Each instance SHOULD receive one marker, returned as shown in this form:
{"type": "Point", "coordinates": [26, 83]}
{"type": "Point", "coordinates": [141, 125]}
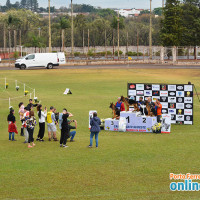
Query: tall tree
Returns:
{"type": "Point", "coordinates": [171, 25]}
{"type": "Point", "coordinates": [8, 4]}
{"type": "Point", "coordinates": [23, 4]}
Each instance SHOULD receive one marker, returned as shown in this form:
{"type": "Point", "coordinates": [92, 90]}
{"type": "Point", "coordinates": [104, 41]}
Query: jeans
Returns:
{"type": "Point", "coordinates": [96, 138]}
{"type": "Point", "coordinates": [72, 134]}
{"type": "Point", "coordinates": [30, 133]}
{"type": "Point", "coordinates": [11, 134]}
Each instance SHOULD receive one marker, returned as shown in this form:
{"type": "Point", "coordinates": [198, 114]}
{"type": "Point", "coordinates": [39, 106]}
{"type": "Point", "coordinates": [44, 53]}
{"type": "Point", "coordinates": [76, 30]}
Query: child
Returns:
{"type": "Point", "coordinates": [31, 122]}
{"type": "Point", "coordinates": [95, 123]}
{"type": "Point", "coordinates": [21, 115]}
{"type": "Point", "coordinates": [12, 128]}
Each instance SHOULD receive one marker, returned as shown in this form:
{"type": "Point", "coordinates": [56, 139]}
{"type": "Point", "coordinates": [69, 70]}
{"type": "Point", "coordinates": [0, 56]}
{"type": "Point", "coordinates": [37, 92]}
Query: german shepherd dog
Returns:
{"type": "Point", "coordinates": [130, 102]}
{"type": "Point", "coordinates": [114, 109]}
{"type": "Point", "coordinates": [148, 110]}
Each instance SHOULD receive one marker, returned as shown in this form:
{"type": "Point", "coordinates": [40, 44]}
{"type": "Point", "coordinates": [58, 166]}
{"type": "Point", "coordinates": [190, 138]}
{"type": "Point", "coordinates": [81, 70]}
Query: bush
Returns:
{"type": "Point", "coordinates": [157, 53]}
{"type": "Point", "coordinates": [130, 53]}
{"type": "Point", "coordinates": [181, 52]}
{"type": "Point", "coordinates": [120, 53]}
{"type": "Point", "coordinates": [90, 53]}
{"type": "Point", "coordinates": [76, 54]}
{"type": "Point", "coordinates": [16, 54]}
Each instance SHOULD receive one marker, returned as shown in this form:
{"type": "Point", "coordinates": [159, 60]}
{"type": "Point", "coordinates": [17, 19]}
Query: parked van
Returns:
{"type": "Point", "coordinates": [48, 60]}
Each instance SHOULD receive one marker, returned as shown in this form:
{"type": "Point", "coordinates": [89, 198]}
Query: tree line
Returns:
{"type": "Point", "coordinates": [178, 25]}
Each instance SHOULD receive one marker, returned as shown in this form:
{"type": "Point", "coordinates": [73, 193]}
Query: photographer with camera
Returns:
{"type": "Point", "coordinates": [72, 133]}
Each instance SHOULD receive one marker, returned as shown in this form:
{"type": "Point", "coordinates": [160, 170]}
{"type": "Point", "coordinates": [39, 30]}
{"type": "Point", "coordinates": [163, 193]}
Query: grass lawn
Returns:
{"type": "Point", "coordinates": [125, 166]}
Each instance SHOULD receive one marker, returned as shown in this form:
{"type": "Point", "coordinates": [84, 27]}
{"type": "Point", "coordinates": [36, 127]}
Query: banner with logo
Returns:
{"type": "Point", "coordinates": [166, 123]}
{"type": "Point", "coordinates": [176, 99]}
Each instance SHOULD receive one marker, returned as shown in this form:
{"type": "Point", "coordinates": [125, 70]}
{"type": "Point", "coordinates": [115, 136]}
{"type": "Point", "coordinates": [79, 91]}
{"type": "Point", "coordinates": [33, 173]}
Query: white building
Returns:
{"type": "Point", "coordinates": [129, 12]}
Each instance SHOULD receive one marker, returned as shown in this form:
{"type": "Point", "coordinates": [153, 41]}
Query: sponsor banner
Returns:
{"type": "Point", "coordinates": [148, 87]}
{"type": "Point", "coordinates": [188, 112]}
{"type": "Point", "coordinates": [132, 86]}
{"type": "Point", "coordinates": [179, 87]}
{"type": "Point", "coordinates": [180, 99]}
{"type": "Point", "coordinates": [166, 123]}
{"type": "Point", "coordinates": [132, 92]}
{"type": "Point", "coordinates": [179, 111]}
{"type": "Point", "coordinates": [173, 94]}
{"type": "Point", "coordinates": [147, 93]}
{"type": "Point", "coordinates": [180, 93]}
{"type": "Point", "coordinates": [188, 118]}
{"type": "Point", "coordinates": [188, 94]}
{"type": "Point", "coordinates": [188, 100]}
{"type": "Point", "coordinates": [172, 99]}
{"type": "Point", "coordinates": [173, 117]}
{"type": "Point", "coordinates": [188, 88]}
{"type": "Point", "coordinates": [188, 122]}
{"type": "Point", "coordinates": [172, 105]}
{"type": "Point", "coordinates": [164, 105]}
{"type": "Point", "coordinates": [139, 86]}
{"type": "Point", "coordinates": [156, 93]}
{"type": "Point", "coordinates": [138, 98]}
{"type": "Point", "coordinates": [163, 99]}
{"type": "Point", "coordinates": [164, 111]}
{"type": "Point", "coordinates": [140, 93]}
{"type": "Point", "coordinates": [155, 87]}
{"type": "Point", "coordinates": [179, 117]}
{"type": "Point", "coordinates": [163, 87]}
{"type": "Point", "coordinates": [180, 106]}
{"type": "Point", "coordinates": [172, 111]}
{"type": "Point", "coordinates": [171, 87]}
{"type": "Point", "coordinates": [164, 93]}
{"type": "Point", "coordinates": [154, 98]}
{"type": "Point", "coordinates": [188, 106]}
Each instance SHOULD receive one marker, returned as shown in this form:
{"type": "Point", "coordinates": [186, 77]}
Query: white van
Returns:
{"type": "Point", "coordinates": [48, 60]}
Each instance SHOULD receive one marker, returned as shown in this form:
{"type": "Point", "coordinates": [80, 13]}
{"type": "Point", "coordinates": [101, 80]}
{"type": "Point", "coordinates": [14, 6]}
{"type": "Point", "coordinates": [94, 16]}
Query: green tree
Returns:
{"type": "Point", "coordinates": [114, 23]}
{"type": "Point", "coordinates": [8, 4]}
{"type": "Point", "coordinates": [171, 25]}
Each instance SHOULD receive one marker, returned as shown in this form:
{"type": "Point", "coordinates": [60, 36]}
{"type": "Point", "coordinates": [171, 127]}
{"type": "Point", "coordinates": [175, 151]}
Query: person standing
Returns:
{"type": "Point", "coordinates": [21, 115]}
{"type": "Point", "coordinates": [42, 116]}
{"type": "Point", "coordinates": [31, 123]}
{"type": "Point", "coordinates": [51, 124]}
{"type": "Point", "coordinates": [12, 128]}
{"type": "Point", "coordinates": [31, 105]}
{"type": "Point", "coordinates": [159, 110]}
{"type": "Point", "coordinates": [95, 123]}
{"type": "Point", "coordinates": [120, 105]}
{"type": "Point", "coordinates": [25, 117]}
{"type": "Point", "coordinates": [65, 129]}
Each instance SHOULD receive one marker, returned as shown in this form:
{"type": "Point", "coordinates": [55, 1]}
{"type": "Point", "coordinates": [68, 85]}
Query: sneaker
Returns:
{"type": "Point", "coordinates": [38, 139]}
{"type": "Point", "coordinates": [97, 147]}
{"type": "Point", "coordinates": [29, 146]}
{"type": "Point", "coordinates": [41, 140]}
{"type": "Point", "coordinates": [49, 139]}
{"type": "Point", "coordinates": [89, 146]}
{"type": "Point", "coordinates": [72, 140]}
{"type": "Point", "coordinates": [14, 140]}
{"type": "Point", "coordinates": [25, 142]}
{"type": "Point", "coordinates": [65, 146]}
{"type": "Point", "coordinates": [55, 139]}
{"type": "Point", "coordinates": [60, 145]}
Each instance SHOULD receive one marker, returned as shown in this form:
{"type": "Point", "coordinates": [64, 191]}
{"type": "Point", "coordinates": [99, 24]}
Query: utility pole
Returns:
{"type": "Point", "coordinates": [72, 29]}
{"type": "Point", "coordinates": [4, 38]}
{"type": "Point", "coordinates": [83, 41]}
{"type": "Point", "coordinates": [137, 43]}
{"type": "Point", "coordinates": [50, 50]}
{"type": "Point", "coordinates": [118, 32]}
{"type": "Point", "coordinates": [150, 33]}
{"type": "Point", "coordinates": [105, 44]}
{"type": "Point", "coordinates": [88, 40]}
{"type": "Point", "coordinates": [127, 43]}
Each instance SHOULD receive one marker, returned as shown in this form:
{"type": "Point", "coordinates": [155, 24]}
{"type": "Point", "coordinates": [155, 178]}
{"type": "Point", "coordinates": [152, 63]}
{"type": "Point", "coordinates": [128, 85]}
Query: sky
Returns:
{"type": "Point", "coordinates": [144, 4]}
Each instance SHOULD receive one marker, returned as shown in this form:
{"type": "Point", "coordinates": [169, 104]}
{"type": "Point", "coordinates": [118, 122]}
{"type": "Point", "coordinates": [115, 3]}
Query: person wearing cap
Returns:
{"type": "Point", "coordinates": [120, 105]}
{"type": "Point", "coordinates": [31, 105]}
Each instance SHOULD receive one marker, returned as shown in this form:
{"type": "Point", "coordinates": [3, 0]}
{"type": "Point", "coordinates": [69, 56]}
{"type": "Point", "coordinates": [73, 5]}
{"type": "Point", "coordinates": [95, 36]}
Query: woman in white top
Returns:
{"type": "Point", "coordinates": [42, 117]}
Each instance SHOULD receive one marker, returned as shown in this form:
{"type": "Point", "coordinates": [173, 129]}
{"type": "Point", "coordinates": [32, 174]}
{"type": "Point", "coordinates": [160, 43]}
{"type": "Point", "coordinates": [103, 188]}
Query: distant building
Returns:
{"type": "Point", "coordinates": [129, 12]}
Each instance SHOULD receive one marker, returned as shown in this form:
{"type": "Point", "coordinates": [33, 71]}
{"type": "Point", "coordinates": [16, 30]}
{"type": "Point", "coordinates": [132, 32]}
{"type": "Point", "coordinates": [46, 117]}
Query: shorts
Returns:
{"type": "Point", "coordinates": [51, 127]}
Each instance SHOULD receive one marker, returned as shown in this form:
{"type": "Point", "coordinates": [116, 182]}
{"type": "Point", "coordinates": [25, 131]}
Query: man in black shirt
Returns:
{"type": "Point", "coordinates": [31, 105]}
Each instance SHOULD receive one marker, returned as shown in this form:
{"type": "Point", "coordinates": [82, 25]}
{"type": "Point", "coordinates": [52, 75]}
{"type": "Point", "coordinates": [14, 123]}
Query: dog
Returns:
{"type": "Point", "coordinates": [114, 109]}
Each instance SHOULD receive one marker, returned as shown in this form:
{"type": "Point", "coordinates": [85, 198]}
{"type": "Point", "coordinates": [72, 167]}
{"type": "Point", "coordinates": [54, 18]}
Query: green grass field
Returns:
{"type": "Point", "coordinates": [125, 166]}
